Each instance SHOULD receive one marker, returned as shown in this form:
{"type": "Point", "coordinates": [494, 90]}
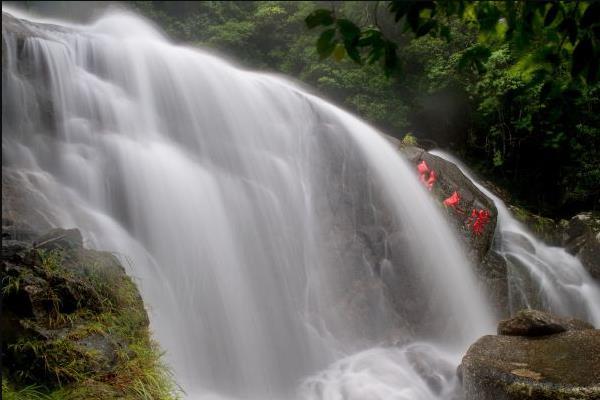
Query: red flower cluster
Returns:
{"type": "Point", "coordinates": [453, 200]}
{"type": "Point", "coordinates": [478, 220]}
{"type": "Point", "coordinates": [426, 175]}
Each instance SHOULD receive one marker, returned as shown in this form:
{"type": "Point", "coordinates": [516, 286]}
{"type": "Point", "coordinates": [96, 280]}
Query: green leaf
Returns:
{"type": "Point", "coordinates": [353, 53]}
{"type": "Point", "coordinates": [326, 43]}
{"type": "Point", "coordinates": [339, 52]}
{"type": "Point", "coordinates": [369, 38]}
{"type": "Point", "coordinates": [348, 30]}
{"type": "Point", "coordinates": [319, 17]}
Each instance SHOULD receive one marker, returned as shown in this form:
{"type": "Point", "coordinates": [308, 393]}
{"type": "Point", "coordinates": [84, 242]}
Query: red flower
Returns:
{"type": "Point", "coordinates": [453, 200]}
{"type": "Point", "coordinates": [478, 220]}
{"type": "Point", "coordinates": [431, 180]}
{"type": "Point", "coordinates": [427, 176]}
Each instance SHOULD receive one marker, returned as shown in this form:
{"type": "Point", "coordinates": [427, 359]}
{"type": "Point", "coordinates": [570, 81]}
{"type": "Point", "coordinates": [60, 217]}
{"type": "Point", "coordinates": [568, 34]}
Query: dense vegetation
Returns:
{"type": "Point", "coordinates": [512, 87]}
{"type": "Point", "coordinates": [74, 326]}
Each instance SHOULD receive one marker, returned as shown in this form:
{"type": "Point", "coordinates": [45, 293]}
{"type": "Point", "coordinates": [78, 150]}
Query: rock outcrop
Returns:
{"type": "Point", "coordinates": [539, 323]}
{"type": "Point", "coordinates": [450, 179]}
{"type": "Point", "coordinates": [491, 269]}
{"type": "Point", "coordinates": [562, 364]}
{"type": "Point", "coordinates": [73, 322]}
{"type": "Point", "coordinates": [581, 237]}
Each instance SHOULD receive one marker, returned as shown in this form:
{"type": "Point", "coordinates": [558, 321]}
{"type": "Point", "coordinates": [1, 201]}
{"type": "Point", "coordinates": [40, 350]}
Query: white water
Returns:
{"type": "Point", "coordinates": [242, 202]}
{"type": "Point", "coordinates": [540, 276]}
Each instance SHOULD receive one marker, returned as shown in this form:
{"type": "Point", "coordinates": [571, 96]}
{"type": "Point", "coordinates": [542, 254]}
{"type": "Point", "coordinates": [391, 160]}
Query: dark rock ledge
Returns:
{"type": "Point", "coordinates": [73, 323]}
{"type": "Point", "coordinates": [559, 359]}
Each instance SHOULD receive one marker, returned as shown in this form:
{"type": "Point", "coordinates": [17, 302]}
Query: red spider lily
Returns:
{"type": "Point", "coordinates": [453, 200]}
{"type": "Point", "coordinates": [431, 180]}
{"type": "Point", "coordinates": [426, 175]}
{"type": "Point", "coordinates": [478, 220]}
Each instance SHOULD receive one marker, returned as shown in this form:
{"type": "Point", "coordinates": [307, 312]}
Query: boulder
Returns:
{"type": "Point", "coordinates": [449, 180]}
{"type": "Point", "coordinates": [539, 323]}
{"type": "Point", "coordinates": [490, 268]}
{"type": "Point", "coordinates": [581, 237]}
{"type": "Point", "coordinates": [553, 367]}
{"type": "Point", "coordinates": [24, 210]}
{"type": "Point", "coordinates": [537, 356]}
{"type": "Point", "coordinates": [63, 304]}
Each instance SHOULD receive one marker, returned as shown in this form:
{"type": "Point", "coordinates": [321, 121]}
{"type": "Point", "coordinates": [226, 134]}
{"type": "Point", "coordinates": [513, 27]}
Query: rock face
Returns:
{"type": "Point", "coordinates": [491, 269]}
{"type": "Point", "coordinates": [73, 321]}
{"type": "Point", "coordinates": [450, 179]}
{"type": "Point", "coordinates": [555, 366]}
{"type": "Point", "coordinates": [539, 323]}
{"type": "Point", "coordinates": [581, 237]}
{"type": "Point", "coordinates": [544, 228]}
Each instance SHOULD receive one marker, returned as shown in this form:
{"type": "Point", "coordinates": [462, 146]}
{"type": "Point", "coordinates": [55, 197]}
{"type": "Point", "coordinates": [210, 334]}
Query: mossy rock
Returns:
{"type": "Point", "coordinates": [74, 325]}
{"type": "Point", "coordinates": [581, 237]}
{"type": "Point", "coordinates": [544, 228]}
{"type": "Point", "coordinates": [563, 366]}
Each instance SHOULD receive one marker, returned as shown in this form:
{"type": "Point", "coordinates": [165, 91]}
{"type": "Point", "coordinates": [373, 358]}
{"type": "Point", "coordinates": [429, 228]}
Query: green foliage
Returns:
{"type": "Point", "coordinates": [409, 140]}
{"type": "Point", "coordinates": [31, 392]}
{"type": "Point", "coordinates": [569, 30]}
{"type": "Point", "coordinates": [100, 350]}
{"type": "Point", "coordinates": [529, 71]}
{"type": "Point", "coordinates": [341, 33]}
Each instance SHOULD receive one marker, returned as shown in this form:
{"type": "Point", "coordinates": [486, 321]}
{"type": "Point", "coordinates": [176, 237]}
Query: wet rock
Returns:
{"type": "Point", "coordinates": [25, 211]}
{"type": "Point", "coordinates": [61, 305]}
{"type": "Point", "coordinates": [544, 228]}
{"type": "Point", "coordinates": [59, 239]}
{"type": "Point", "coordinates": [539, 323]}
{"type": "Point", "coordinates": [435, 372]}
{"type": "Point", "coordinates": [492, 272]}
{"type": "Point", "coordinates": [491, 269]}
{"type": "Point", "coordinates": [553, 367]}
{"type": "Point", "coordinates": [581, 237]}
{"type": "Point", "coordinates": [450, 179]}
{"type": "Point", "coordinates": [521, 240]}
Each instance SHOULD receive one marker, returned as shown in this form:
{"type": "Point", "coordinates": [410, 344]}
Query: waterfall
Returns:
{"type": "Point", "coordinates": [540, 276]}
{"type": "Point", "coordinates": [262, 224]}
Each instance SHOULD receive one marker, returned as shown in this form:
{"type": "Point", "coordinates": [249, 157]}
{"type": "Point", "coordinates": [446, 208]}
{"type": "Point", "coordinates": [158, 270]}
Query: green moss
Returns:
{"type": "Point", "coordinates": [85, 335]}
{"type": "Point", "coordinates": [521, 390]}
{"type": "Point", "coordinates": [409, 140]}
{"type": "Point", "coordinates": [544, 227]}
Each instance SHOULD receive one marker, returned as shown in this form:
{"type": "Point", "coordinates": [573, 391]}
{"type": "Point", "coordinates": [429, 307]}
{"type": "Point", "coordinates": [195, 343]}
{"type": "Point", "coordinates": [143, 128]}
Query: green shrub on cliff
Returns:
{"type": "Point", "coordinates": [75, 327]}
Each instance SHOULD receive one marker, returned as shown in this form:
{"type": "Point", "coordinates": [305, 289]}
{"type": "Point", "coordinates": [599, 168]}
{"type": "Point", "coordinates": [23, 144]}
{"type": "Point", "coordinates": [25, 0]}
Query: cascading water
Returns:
{"type": "Point", "coordinates": [248, 209]}
{"type": "Point", "coordinates": [540, 276]}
